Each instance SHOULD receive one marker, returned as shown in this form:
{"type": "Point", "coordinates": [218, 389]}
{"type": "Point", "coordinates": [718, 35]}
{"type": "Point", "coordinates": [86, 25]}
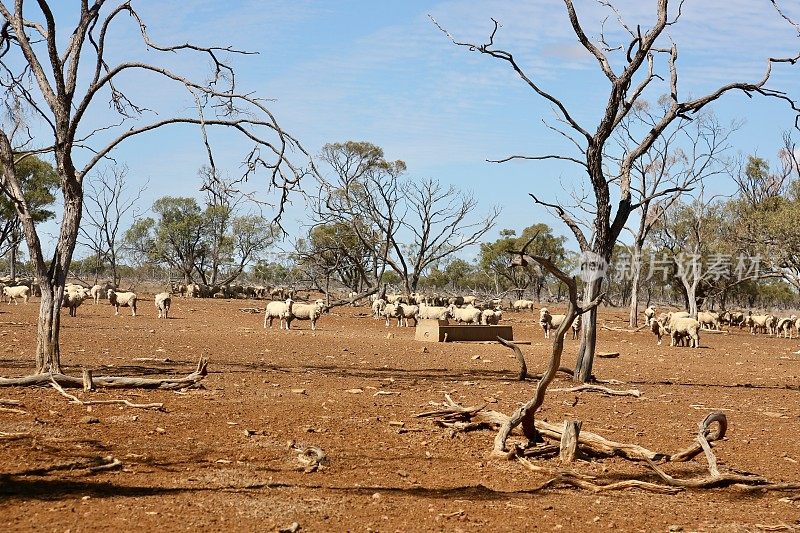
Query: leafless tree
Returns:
{"type": "Point", "coordinates": [106, 207]}
{"type": "Point", "coordinates": [60, 77]}
{"type": "Point", "coordinates": [678, 161]}
{"type": "Point", "coordinates": [631, 69]}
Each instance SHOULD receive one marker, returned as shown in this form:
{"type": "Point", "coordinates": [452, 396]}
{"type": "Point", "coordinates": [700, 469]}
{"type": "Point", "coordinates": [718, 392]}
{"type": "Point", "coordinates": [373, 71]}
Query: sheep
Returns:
{"type": "Point", "coordinates": [548, 321]}
{"type": "Point", "coordinates": [394, 298]}
{"type": "Point", "coordinates": [785, 326]}
{"type": "Point", "coordinates": [98, 291]}
{"type": "Point", "coordinates": [458, 301]}
{"type": "Point", "coordinates": [13, 293]}
{"type": "Point", "coordinates": [469, 300]}
{"type": "Point", "coordinates": [122, 299]}
{"type": "Point", "coordinates": [391, 311]}
{"type": "Point", "coordinates": [576, 327]}
{"type": "Point", "coordinates": [377, 307]}
{"type": "Point", "coordinates": [163, 301]}
{"type": "Point", "coordinates": [772, 325]}
{"type": "Point", "coordinates": [659, 327]}
{"type": "Point", "coordinates": [279, 310]}
{"type": "Point", "coordinates": [310, 312]}
{"type": "Point", "coordinates": [649, 314]}
{"type": "Point", "coordinates": [466, 315]}
{"type": "Point", "coordinates": [73, 298]}
{"type": "Point", "coordinates": [409, 311]}
{"type": "Point", "coordinates": [708, 319]}
{"type": "Point", "coordinates": [491, 317]}
{"type": "Point", "coordinates": [758, 322]}
{"type": "Point", "coordinates": [685, 327]}
{"type": "Point", "coordinates": [519, 305]}
{"type": "Point", "coordinates": [430, 312]}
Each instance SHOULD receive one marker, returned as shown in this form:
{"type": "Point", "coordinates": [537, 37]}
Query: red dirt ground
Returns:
{"type": "Point", "coordinates": [217, 457]}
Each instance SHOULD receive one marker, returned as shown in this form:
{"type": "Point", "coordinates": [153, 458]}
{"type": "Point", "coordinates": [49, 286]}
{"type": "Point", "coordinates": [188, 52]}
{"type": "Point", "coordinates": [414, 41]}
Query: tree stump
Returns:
{"type": "Point", "coordinates": [88, 383]}
{"type": "Point", "coordinates": [569, 440]}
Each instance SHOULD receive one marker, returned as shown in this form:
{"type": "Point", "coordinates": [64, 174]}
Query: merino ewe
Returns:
{"type": "Point", "coordinates": [549, 322]}
{"type": "Point", "coordinates": [685, 327]}
{"type": "Point", "coordinates": [649, 314]}
{"type": "Point", "coordinates": [310, 312]}
{"type": "Point", "coordinates": [163, 301]}
{"type": "Point", "coordinates": [519, 305]}
{"type": "Point", "coordinates": [491, 317]}
{"type": "Point", "coordinates": [122, 299]}
{"type": "Point", "coordinates": [391, 311]}
{"type": "Point", "coordinates": [377, 307]}
{"type": "Point", "coordinates": [576, 327]}
{"type": "Point", "coordinates": [409, 311]}
{"type": "Point", "coordinates": [466, 315]}
{"type": "Point", "coordinates": [469, 300]}
{"type": "Point", "coordinates": [73, 298]}
{"type": "Point", "coordinates": [12, 293]}
{"type": "Point", "coordinates": [430, 312]}
{"type": "Point", "coordinates": [279, 310]}
{"type": "Point", "coordinates": [708, 320]}
{"type": "Point", "coordinates": [758, 323]}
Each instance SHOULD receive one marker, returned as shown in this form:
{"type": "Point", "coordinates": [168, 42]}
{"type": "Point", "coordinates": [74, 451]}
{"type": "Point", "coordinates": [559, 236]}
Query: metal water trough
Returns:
{"type": "Point", "coordinates": [443, 331]}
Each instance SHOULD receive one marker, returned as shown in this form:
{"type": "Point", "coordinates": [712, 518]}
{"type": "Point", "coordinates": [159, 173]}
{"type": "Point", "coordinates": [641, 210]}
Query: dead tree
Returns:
{"type": "Point", "coordinates": [631, 70]}
{"type": "Point", "coordinates": [40, 75]}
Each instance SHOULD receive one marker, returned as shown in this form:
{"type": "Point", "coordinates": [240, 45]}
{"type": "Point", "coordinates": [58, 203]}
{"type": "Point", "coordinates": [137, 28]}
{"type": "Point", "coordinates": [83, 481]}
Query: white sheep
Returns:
{"type": "Point", "coordinates": [73, 298]}
{"type": "Point", "coordinates": [708, 319]}
{"type": "Point", "coordinates": [519, 305]}
{"type": "Point", "coordinates": [758, 322]}
{"type": "Point", "coordinates": [685, 327]}
{"type": "Point", "coordinates": [576, 327]}
{"type": "Point", "coordinates": [430, 312]}
{"type": "Point", "coordinates": [310, 312]}
{"type": "Point", "coordinates": [122, 299]}
{"type": "Point", "coordinates": [391, 311]}
{"type": "Point", "coordinates": [279, 310]}
{"type": "Point", "coordinates": [13, 293]}
{"type": "Point", "coordinates": [163, 301]}
{"type": "Point", "coordinates": [549, 322]}
{"type": "Point", "coordinates": [409, 311]}
{"type": "Point", "coordinates": [469, 300]}
{"type": "Point", "coordinates": [649, 314]}
{"type": "Point", "coordinates": [785, 326]}
{"type": "Point", "coordinates": [466, 315]}
{"type": "Point", "coordinates": [491, 317]}
{"type": "Point", "coordinates": [377, 307]}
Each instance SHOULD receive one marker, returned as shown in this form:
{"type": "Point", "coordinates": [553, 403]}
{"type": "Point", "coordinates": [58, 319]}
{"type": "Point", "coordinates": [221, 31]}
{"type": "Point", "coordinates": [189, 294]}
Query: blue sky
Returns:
{"type": "Point", "coordinates": [382, 72]}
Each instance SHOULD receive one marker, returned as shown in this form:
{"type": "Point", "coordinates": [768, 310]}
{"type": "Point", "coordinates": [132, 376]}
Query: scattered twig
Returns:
{"type": "Point", "coordinates": [74, 399]}
{"type": "Point", "coordinates": [598, 388]}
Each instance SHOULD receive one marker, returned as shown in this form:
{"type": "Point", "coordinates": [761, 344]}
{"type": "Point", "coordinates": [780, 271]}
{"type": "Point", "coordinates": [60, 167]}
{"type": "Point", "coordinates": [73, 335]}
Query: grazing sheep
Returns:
{"type": "Point", "coordinates": [430, 312]}
{"type": "Point", "coordinates": [469, 300]}
{"type": "Point", "coordinates": [466, 315]}
{"type": "Point", "coordinates": [519, 305]}
{"type": "Point", "coordinates": [576, 327]}
{"type": "Point", "coordinates": [758, 322]}
{"type": "Point", "coordinates": [649, 314]}
{"type": "Point", "coordinates": [279, 310]}
{"type": "Point", "coordinates": [549, 322]}
{"type": "Point", "coordinates": [12, 293]}
{"type": "Point", "coordinates": [708, 319]}
{"type": "Point", "coordinates": [122, 299]}
{"type": "Point", "coordinates": [73, 298]}
{"type": "Point", "coordinates": [310, 312]}
{"type": "Point", "coordinates": [391, 311]}
{"type": "Point", "coordinates": [409, 311]}
{"type": "Point", "coordinates": [685, 327]}
{"type": "Point", "coordinates": [163, 301]}
{"type": "Point", "coordinates": [491, 317]}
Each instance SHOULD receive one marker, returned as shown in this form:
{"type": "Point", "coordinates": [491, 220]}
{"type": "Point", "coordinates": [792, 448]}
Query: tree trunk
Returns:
{"type": "Point", "coordinates": [636, 272]}
{"type": "Point", "coordinates": [48, 353]}
{"type": "Point", "coordinates": [13, 258]}
{"type": "Point", "coordinates": [583, 365]}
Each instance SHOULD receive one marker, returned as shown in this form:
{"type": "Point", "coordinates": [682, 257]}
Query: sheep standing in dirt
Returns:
{"type": "Point", "coordinates": [576, 327]}
{"type": "Point", "coordinates": [122, 299]}
{"type": "Point", "coordinates": [758, 322]}
{"type": "Point", "coordinates": [549, 322]}
{"type": "Point", "coordinates": [649, 315]}
{"type": "Point", "coordinates": [466, 315]}
{"type": "Point", "coordinates": [279, 310]}
{"type": "Point", "coordinates": [708, 319]}
{"type": "Point", "coordinates": [685, 327]}
{"type": "Point", "coordinates": [163, 301]}
{"type": "Point", "coordinates": [430, 312]}
{"type": "Point", "coordinates": [491, 317]}
{"type": "Point", "coordinates": [409, 311]}
{"type": "Point", "coordinates": [73, 298]}
{"type": "Point", "coordinates": [377, 307]}
{"type": "Point", "coordinates": [785, 326]}
{"type": "Point", "coordinates": [391, 311]}
{"type": "Point", "coordinates": [12, 293]}
{"type": "Point", "coordinates": [310, 312]}
{"type": "Point", "coordinates": [519, 305]}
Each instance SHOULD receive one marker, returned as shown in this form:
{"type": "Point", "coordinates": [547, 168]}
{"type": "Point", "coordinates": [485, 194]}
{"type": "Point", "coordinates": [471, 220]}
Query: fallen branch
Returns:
{"type": "Point", "coordinates": [599, 388]}
{"type": "Point", "coordinates": [10, 402]}
{"type": "Point", "coordinates": [14, 436]}
{"type": "Point", "coordinates": [74, 399]}
{"type": "Point", "coordinates": [96, 464]}
{"type": "Point", "coordinates": [113, 382]}
{"type": "Point", "coordinates": [13, 410]}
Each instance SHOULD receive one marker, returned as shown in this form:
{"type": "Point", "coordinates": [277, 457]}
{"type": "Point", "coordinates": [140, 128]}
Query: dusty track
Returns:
{"type": "Point", "coordinates": [218, 457]}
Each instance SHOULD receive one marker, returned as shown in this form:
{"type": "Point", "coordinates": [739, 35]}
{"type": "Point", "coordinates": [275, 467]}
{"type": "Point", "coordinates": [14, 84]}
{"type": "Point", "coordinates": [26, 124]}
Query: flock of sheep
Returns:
{"type": "Point", "coordinates": [682, 328]}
